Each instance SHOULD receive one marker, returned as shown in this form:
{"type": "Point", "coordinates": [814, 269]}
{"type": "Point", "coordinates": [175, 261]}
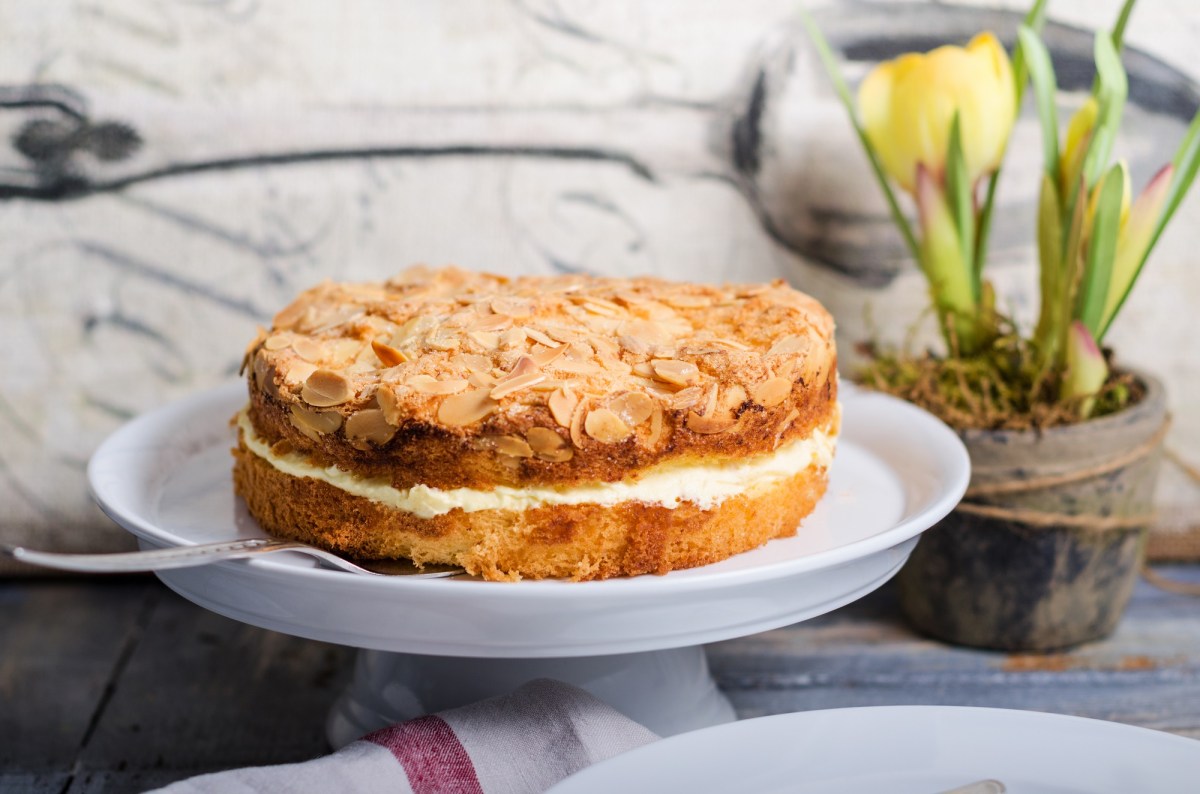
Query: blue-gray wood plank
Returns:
{"type": "Point", "coordinates": [119, 685]}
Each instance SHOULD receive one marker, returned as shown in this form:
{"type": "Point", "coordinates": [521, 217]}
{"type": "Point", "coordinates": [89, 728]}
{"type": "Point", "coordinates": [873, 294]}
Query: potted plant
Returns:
{"type": "Point", "coordinates": [1044, 550]}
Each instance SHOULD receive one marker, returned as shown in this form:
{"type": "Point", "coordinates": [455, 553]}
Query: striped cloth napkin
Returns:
{"type": "Point", "coordinates": [522, 742]}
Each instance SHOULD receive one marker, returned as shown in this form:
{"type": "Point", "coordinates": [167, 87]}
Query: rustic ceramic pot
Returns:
{"type": "Point", "coordinates": [1047, 567]}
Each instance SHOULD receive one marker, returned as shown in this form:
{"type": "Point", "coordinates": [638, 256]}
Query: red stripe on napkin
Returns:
{"type": "Point", "coordinates": [431, 754]}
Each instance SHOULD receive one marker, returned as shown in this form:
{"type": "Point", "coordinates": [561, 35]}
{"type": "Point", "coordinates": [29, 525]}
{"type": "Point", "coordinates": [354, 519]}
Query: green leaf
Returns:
{"type": "Point", "coordinates": [1035, 20]}
{"type": "Point", "coordinates": [843, 91]}
{"type": "Point", "coordinates": [1186, 164]}
{"type": "Point", "coordinates": [962, 204]}
{"type": "Point", "coordinates": [1050, 244]}
{"type": "Point", "coordinates": [1041, 74]}
{"type": "Point", "coordinates": [1112, 87]}
{"type": "Point", "coordinates": [1102, 249]}
{"type": "Point", "coordinates": [1118, 32]}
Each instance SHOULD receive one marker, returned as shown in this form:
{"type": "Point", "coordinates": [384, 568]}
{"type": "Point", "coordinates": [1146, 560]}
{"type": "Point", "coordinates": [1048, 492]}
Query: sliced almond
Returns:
{"type": "Point", "coordinates": [656, 426]}
{"type": "Point", "coordinates": [276, 342]}
{"type": "Point", "coordinates": [605, 426]}
{"type": "Point", "coordinates": [772, 391]}
{"type": "Point", "coordinates": [634, 344]}
{"type": "Point", "coordinates": [263, 375]}
{"type": "Point", "coordinates": [369, 425]}
{"type": "Point", "coordinates": [481, 379]}
{"type": "Point", "coordinates": [488, 340]}
{"type": "Point", "coordinates": [513, 337]}
{"type": "Point", "coordinates": [309, 349]}
{"type": "Point", "coordinates": [427, 384]}
{"type": "Point", "coordinates": [473, 362]}
{"type": "Point", "coordinates": [541, 338]}
{"type": "Point", "coordinates": [314, 424]}
{"type": "Point", "coordinates": [388, 355]}
{"type": "Point", "coordinates": [732, 399]}
{"type": "Point", "coordinates": [524, 365]}
{"type": "Point", "coordinates": [467, 408]}
{"type": "Point", "coordinates": [515, 383]}
{"type": "Point", "coordinates": [491, 322]}
{"type": "Point", "coordinates": [512, 446]}
{"type": "Point", "coordinates": [542, 355]}
{"type": "Point", "coordinates": [442, 341]}
{"type": "Point", "coordinates": [577, 417]}
{"type": "Point", "coordinates": [713, 420]}
{"type": "Point", "coordinates": [562, 405]}
{"type": "Point", "coordinates": [549, 445]}
{"type": "Point", "coordinates": [390, 404]}
{"type": "Point", "coordinates": [633, 407]}
{"type": "Point", "coordinates": [681, 373]}
{"type": "Point", "coordinates": [789, 345]}
{"type": "Point", "coordinates": [686, 398]}
{"type": "Point", "coordinates": [643, 369]}
{"type": "Point", "coordinates": [324, 388]}
{"type": "Point", "coordinates": [512, 307]}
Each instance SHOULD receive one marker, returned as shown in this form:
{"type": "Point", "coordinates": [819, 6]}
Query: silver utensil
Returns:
{"type": "Point", "coordinates": [204, 553]}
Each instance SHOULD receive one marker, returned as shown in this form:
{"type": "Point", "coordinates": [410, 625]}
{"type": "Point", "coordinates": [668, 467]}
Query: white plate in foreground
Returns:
{"type": "Point", "coordinates": [166, 478]}
{"type": "Point", "coordinates": [904, 750]}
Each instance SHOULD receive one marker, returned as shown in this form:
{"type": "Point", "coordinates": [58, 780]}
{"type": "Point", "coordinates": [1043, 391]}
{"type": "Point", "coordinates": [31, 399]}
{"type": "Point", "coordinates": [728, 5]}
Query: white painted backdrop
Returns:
{"type": "Point", "coordinates": [688, 139]}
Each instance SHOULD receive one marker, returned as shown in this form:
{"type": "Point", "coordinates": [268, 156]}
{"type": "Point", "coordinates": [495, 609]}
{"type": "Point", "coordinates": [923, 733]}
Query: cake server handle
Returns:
{"type": "Point", "coordinates": [204, 553]}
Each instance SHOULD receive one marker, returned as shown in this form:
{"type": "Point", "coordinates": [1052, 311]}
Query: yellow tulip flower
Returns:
{"type": "Point", "coordinates": [907, 107]}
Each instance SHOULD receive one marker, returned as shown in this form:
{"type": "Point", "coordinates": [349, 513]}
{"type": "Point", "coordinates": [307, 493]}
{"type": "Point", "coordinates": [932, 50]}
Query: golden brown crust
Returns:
{"type": "Point", "coordinates": [456, 379]}
{"type": "Point", "coordinates": [580, 542]}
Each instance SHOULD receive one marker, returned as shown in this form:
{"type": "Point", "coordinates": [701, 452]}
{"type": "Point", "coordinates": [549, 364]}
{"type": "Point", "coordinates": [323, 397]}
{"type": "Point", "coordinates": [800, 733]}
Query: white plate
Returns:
{"type": "Point", "coordinates": [903, 749]}
{"type": "Point", "coordinates": [166, 478]}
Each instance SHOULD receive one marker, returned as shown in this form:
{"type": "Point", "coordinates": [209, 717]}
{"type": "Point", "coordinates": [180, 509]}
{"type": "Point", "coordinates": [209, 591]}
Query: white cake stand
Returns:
{"type": "Point", "coordinates": [431, 644]}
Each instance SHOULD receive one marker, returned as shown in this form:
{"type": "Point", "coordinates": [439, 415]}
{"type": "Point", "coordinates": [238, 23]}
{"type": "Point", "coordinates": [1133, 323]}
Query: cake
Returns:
{"type": "Point", "coordinates": [571, 426]}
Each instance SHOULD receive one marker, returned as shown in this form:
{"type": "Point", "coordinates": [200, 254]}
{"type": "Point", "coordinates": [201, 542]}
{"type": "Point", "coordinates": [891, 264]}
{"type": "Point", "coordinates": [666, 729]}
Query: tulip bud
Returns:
{"type": "Point", "coordinates": [1135, 236]}
{"type": "Point", "coordinates": [1086, 368]}
{"type": "Point", "coordinates": [907, 106]}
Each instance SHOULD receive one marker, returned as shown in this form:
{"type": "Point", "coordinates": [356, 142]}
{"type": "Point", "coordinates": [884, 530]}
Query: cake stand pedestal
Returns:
{"type": "Point", "coordinates": [668, 691]}
{"type": "Point", "coordinates": [636, 643]}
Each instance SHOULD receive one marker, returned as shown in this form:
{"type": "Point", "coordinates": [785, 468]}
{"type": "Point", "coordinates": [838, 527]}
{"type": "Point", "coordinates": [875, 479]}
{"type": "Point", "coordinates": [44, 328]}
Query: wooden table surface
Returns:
{"type": "Point", "coordinates": [120, 685]}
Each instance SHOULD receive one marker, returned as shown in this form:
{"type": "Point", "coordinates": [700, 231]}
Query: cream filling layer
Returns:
{"type": "Point", "coordinates": [706, 485]}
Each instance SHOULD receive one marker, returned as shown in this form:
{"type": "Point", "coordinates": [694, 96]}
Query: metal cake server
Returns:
{"type": "Point", "coordinates": [204, 553]}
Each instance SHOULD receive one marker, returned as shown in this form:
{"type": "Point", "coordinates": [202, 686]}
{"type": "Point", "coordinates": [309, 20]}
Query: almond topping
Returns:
{"type": "Point", "coordinates": [656, 426]}
{"type": "Point", "coordinates": [548, 445]}
{"type": "Point", "coordinates": [604, 425]}
{"type": "Point", "coordinates": [390, 404]}
{"type": "Point", "coordinates": [634, 344]}
{"type": "Point", "coordinates": [713, 421]}
{"type": "Point", "coordinates": [308, 349]}
{"type": "Point", "coordinates": [388, 355]}
{"type": "Point", "coordinates": [473, 362]}
{"type": "Point", "coordinates": [298, 371]}
{"type": "Point", "coordinates": [314, 424]}
{"type": "Point", "coordinates": [442, 342]}
{"type": "Point", "coordinates": [488, 340]}
{"type": "Point", "coordinates": [291, 314]}
{"type": "Point", "coordinates": [687, 398]}
{"type": "Point", "coordinates": [491, 322]}
{"type": "Point", "coordinates": [467, 408]}
{"type": "Point", "coordinates": [632, 408]}
{"type": "Point", "coordinates": [324, 388]}
{"type": "Point", "coordinates": [524, 366]}
{"type": "Point", "coordinates": [681, 373]}
{"type": "Point", "coordinates": [513, 337]}
{"type": "Point", "coordinates": [789, 344]}
{"type": "Point", "coordinates": [577, 416]}
{"type": "Point", "coordinates": [512, 446]}
{"type": "Point", "coordinates": [772, 391]}
{"type": "Point", "coordinates": [426, 384]}
{"type": "Point", "coordinates": [512, 307]}
{"type": "Point", "coordinates": [370, 425]}
{"type": "Point", "coordinates": [643, 369]}
{"type": "Point", "coordinates": [544, 355]}
{"type": "Point", "coordinates": [541, 338]}
{"type": "Point", "coordinates": [562, 405]}
{"type": "Point", "coordinates": [514, 383]}
{"type": "Point", "coordinates": [274, 342]}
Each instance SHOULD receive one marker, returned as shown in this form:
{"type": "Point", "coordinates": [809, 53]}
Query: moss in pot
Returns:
{"type": "Point", "coordinates": [1045, 549]}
